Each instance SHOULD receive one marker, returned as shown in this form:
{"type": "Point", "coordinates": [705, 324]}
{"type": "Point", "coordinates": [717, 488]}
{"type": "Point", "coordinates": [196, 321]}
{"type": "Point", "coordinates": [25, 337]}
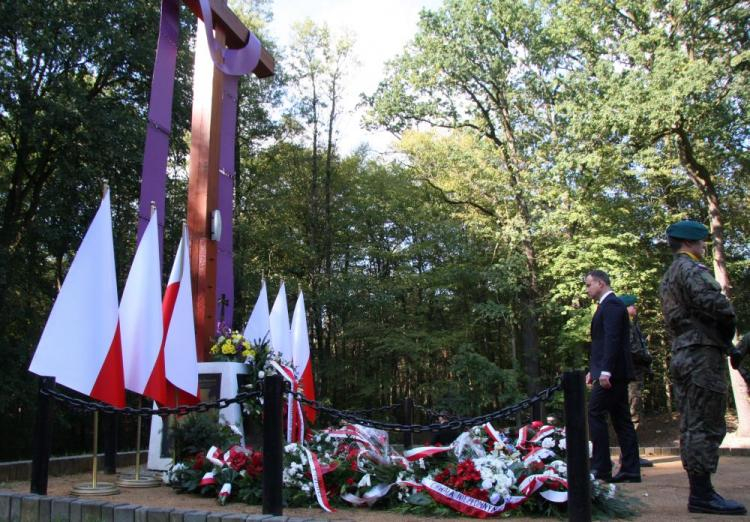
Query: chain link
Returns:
{"type": "Point", "coordinates": [454, 424]}
{"type": "Point", "coordinates": [353, 416]}
{"type": "Point", "coordinates": [202, 407]}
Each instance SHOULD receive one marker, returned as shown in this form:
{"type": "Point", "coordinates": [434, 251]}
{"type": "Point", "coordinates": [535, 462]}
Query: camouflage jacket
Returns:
{"type": "Point", "coordinates": [695, 310]}
{"type": "Point", "coordinates": [639, 346]}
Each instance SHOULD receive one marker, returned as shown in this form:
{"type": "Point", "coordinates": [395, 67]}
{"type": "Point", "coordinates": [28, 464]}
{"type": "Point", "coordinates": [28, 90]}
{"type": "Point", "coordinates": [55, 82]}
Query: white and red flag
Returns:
{"type": "Point", "coordinates": [174, 379]}
{"type": "Point", "coordinates": [259, 325]}
{"type": "Point", "coordinates": [281, 341]}
{"type": "Point", "coordinates": [80, 344]}
{"type": "Point", "coordinates": [141, 327]}
{"type": "Point", "coordinates": [301, 359]}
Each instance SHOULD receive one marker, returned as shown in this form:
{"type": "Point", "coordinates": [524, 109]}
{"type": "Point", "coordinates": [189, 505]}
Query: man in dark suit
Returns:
{"type": "Point", "coordinates": [611, 369]}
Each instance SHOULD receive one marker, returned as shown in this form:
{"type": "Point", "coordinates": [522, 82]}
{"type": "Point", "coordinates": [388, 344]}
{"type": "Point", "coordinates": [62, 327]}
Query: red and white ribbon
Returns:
{"type": "Point", "coordinates": [533, 483]}
{"type": "Point", "coordinates": [318, 483]}
{"type": "Point", "coordinates": [461, 502]}
{"type": "Point", "coordinates": [425, 451]}
{"type": "Point", "coordinates": [493, 434]}
{"type": "Point", "coordinates": [208, 479]}
{"type": "Point", "coordinates": [543, 432]}
{"type": "Point", "coordinates": [215, 456]}
{"type": "Point", "coordinates": [523, 436]}
{"type": "Point", "coordinates": [294, 408]}
{"type": "Point", "coordinates": [224, 493]}
{"type": "Point", "coordinates": [538, 454]}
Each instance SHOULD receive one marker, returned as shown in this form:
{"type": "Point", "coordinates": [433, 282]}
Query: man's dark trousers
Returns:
{"type": "Point", "coordinates": [612, 401]}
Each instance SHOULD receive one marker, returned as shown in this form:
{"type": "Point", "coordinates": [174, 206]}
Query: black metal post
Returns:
{"type": "Point", "coordinates": [536, 411]}
{"type": "Point", "coordinates": [408, 419]}
{"type": "Point", "coordinates": [577, 446]}
{"type": "Point", "coordinates": [42, 438]}
{"type": "Point", "coordinates": [109, 423]}
{"type": "Point", "coordinates": [272, 446]}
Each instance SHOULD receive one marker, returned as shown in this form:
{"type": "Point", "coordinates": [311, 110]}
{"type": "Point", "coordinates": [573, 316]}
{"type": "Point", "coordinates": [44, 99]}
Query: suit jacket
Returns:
{"type": "Point", "coordinates": [610, 341]}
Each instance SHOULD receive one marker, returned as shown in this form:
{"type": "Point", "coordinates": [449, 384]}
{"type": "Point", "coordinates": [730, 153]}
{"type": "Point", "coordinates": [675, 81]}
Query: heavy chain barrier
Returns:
{"type": "Point", "coordinates": [370, 411]}
{"type": "Point", "coordinates": [85, 405]}
{"type": "Point", "coordinates": [353, 416]}
{"type": "Point", "coordinates": [454, 424]}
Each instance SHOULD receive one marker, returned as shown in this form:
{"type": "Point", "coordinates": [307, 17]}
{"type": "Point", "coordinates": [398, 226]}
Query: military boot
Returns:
{"type": "Point", "coordinates": [703, 498]}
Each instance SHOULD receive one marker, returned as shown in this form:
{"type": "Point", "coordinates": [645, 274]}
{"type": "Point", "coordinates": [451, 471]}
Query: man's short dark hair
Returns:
{"type": "Point", "coordinates": [601, 275]}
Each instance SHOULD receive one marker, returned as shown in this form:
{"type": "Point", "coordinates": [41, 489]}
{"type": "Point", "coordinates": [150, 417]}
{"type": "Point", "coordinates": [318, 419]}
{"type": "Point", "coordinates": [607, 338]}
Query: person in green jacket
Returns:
{"type": "Point", "coordinates": [641, 364]}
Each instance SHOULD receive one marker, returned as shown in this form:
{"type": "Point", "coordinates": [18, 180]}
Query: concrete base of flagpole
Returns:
{"type": "Point", "coordinates": [90, 490]}
{"type": "Point", "coordinates": [143, 481]}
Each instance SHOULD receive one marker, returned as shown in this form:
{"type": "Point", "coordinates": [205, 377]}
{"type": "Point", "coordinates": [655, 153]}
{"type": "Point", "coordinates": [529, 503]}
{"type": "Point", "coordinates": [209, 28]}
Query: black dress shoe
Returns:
{"type": "Point", "coordinates": [645, 463]}
{"type": "Point", "coordinates": [715, 504]}
{"type": "Point", "coordinates": [626, 477]}
{"type": "Point", "coordinates": [599, 475]}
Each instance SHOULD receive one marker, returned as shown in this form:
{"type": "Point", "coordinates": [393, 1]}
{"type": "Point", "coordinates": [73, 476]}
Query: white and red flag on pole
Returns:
{"type": "Point", "coordinates": [174, 379]}
{"type": "Point", "coordinates": [281, 341]}
{"type": "Point", "coordinates": [141, 327]}
{"type": "Point", "coordinates": [259, 325]}
{"type": "Point", "coordinates": [301, 359]}
{"type": "Point", "coordinates": [80, 344]}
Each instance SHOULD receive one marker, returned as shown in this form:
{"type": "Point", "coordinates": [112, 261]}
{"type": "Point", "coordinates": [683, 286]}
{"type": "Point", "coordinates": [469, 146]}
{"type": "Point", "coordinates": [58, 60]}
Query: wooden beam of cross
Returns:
{"type": "Point", "coordinates": [222, 56]}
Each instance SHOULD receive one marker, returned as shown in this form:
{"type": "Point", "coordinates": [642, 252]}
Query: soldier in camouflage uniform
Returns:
{"type": "Point", "coordinates": [641, 364]}
{"type": "Point", "coordinates": [701, 321]}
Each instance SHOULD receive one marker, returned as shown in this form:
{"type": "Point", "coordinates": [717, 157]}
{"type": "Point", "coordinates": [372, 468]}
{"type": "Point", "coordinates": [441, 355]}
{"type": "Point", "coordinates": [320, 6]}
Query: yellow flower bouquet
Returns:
{"type": "Point", "coordinates": [231, 345]}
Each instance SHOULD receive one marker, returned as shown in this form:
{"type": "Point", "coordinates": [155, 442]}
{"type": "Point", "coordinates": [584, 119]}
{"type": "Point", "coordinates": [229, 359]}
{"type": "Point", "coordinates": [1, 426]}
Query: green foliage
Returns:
{"type": "Point", "coordinates": [197, 432]}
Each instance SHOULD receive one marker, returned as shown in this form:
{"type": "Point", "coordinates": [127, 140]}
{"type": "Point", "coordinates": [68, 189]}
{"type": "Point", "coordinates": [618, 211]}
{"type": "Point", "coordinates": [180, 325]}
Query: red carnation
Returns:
{"type": "Point", "coordinates": [238, 461]}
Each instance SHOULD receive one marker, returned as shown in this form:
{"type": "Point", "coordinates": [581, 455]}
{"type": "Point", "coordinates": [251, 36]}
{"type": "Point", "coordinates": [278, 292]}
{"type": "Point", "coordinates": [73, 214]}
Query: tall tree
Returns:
{"type": "Point", "coordinates": [488, 69]}
{"type": "Point", "coordinates": [318, 64]}
{"type": "Point", "coordinates": [672, 79]}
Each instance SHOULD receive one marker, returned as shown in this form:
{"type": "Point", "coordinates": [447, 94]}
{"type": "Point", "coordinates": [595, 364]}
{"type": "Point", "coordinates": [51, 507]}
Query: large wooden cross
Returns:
{"type": "Point", "coordinates": [211, 170]}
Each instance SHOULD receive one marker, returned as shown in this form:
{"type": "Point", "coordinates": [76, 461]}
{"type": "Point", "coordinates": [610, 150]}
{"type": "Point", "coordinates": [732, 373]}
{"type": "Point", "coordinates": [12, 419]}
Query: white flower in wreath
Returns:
{"type": "Point", "coordinates": [548, 442]}
{"type": "Point", "coordinates": [495, 498]}
{"type": "Point", "coordinates": [562, 443]}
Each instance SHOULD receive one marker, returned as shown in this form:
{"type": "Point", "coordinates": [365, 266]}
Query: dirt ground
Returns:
{"type": "Point", "coordinates": [663, 493]}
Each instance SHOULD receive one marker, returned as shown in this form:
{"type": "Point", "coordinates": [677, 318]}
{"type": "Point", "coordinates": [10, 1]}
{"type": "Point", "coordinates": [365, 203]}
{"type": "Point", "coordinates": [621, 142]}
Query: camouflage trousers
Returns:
{"type": "Point", "coordinates": [635, 400]}
{"type": "Point", "coordinates": [700, 388]}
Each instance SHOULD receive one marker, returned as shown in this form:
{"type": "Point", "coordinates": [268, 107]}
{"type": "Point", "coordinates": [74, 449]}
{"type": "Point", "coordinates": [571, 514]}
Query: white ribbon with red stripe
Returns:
{"type": "Point", "coordinates": [461, 502]}
{"type": "Point", "coordinates": [208, 479]}
{"type": "Point", "coordinates": [215, 456]}
{"type": "Point", "coordinates": [538, 454]}
{"type": "Point", "coordinates": [543, 432]}
{"type": "Point", "coordinates": [224, 493]}
{"type": "Point", "coordinates": [317, 479]}
{"type": "Point", "coordinates": [533, 483]}
{"type": "Point", "coordinates": [294, 408]}
{"type": "Point", "coordinates": [425, 451]}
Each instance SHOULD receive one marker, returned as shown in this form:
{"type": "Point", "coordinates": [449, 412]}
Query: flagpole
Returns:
{"type": "Point", "coordinates": [95, 488]}
{"type": "Point", "coordinates": [96, 448]}
{"type": "Point", "coordinates": [138, 443]}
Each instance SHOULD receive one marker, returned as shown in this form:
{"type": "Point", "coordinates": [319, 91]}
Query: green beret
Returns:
{"type": "Point", "coordinates": [628, 299]}
{"type": "Point", "coordinates": [687, 229]}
